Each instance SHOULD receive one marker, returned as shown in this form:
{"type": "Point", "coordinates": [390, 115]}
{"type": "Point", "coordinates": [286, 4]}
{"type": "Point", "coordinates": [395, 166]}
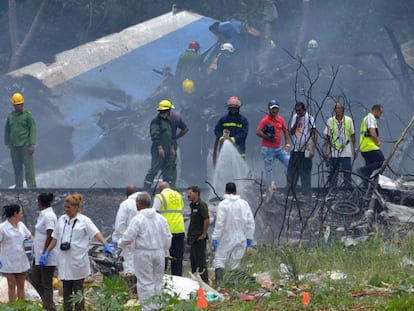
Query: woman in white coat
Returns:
{"type": "Point", "coordinates": [42, 276]}
{"type": "Point", "coordinates": [72, 236]}
{"type": "Point", "coordinates": [13, 260]}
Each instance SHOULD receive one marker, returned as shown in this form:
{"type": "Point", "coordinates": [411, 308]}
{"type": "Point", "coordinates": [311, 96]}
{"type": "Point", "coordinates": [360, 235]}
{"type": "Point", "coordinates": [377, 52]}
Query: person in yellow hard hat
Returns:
{"type": "Point", "coordinates": [20, 138]}
{"type": "Point", "coordinates": [162, 149]}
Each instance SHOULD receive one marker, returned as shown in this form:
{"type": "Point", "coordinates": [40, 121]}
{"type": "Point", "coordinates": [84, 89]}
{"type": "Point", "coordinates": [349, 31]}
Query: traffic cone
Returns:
{"type": "Point", "coordinates": [305, 299]}
{"type": "Point", "coordinates": [201, 299]}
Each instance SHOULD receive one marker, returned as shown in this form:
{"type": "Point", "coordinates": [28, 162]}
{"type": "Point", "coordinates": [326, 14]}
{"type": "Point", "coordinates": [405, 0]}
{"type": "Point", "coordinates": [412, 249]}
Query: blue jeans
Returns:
{"type": "Point", "coordinates": [373, 160]}
{"type": "Point", "coordinates": [343, 163]}
{"type": "Point", "coordinates": [299, 166]}
{"type": "Point", "coordinates": [269, 154]}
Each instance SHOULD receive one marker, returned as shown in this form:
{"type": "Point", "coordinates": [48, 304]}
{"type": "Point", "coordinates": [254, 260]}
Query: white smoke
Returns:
{"type": "Point", "coordinates": [116, 172]}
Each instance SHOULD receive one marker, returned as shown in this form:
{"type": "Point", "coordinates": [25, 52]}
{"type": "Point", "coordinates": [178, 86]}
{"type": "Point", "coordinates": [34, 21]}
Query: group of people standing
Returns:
{"type": "Point", "coordinates": [154, 235]}
{"type": "Point", "coordinates": [295, 145]}
{"type": "Point", "coordinates": [60, 243]}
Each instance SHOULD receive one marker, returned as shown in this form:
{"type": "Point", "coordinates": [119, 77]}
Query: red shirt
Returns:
{"type": "Point", "coordinates": [279, 124]}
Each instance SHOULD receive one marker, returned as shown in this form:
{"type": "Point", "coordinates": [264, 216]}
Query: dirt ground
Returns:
{"type": "Point", "coordinates": [100, 205]}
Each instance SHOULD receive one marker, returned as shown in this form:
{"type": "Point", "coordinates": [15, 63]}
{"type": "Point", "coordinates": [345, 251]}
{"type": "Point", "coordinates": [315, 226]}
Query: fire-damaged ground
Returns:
{"type": "Point", "coordinates": [279, 218]}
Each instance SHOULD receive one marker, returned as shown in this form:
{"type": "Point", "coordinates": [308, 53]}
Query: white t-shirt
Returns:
{"type": "Point", "coordinates": [47, 220]}
{"type": "Point", "coordinates": [340, 132]}
{"type": "Point", "coordinates": [73, 264]}
{"type": "Point", "coordinates": [12, 254]}
{"type": "Point", "coordinates": [302, 137]}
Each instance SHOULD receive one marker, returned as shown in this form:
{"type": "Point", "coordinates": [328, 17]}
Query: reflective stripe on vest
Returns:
{"type": "Point", "coordinates": [232, 124]}
{"type": "Point", "coordinates": [339, 144]}
{"type": "Point", "coordinates": [366, 143]}
{"type": "Point", "coordinates": [172, 208]}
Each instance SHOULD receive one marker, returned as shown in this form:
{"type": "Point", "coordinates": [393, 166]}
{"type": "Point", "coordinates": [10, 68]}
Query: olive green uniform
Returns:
{"type": "Point", "coordinates": [20, 134]}
{"type": "Point", "coordinates": [160, 132]}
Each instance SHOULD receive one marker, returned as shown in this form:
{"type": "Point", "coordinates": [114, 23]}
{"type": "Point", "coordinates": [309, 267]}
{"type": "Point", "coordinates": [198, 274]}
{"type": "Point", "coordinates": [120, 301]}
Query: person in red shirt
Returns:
{"type": "Point", "coordinates": [270, 130]}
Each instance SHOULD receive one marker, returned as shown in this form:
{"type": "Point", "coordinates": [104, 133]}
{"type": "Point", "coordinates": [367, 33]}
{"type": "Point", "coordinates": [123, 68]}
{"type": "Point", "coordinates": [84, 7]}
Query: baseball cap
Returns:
{"type": "Point", "coordinates": [273, 103]}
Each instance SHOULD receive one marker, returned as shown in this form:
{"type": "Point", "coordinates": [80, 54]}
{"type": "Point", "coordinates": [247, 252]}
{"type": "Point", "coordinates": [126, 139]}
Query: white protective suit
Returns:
{"type": "Point", "coordinates": [127, 210]}
{"type": "Point", "coordinates": [150, 237]}
{"type": "Point", "coordinates": [234, 224]}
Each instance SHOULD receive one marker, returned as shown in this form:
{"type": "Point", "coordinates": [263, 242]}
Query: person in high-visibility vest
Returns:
{"type": "Point", "coordinates": [369, 142]}
{"type": "Point", "coordinates": [170, 204]}
{"type": "Point", "coordinates": [340, 145]}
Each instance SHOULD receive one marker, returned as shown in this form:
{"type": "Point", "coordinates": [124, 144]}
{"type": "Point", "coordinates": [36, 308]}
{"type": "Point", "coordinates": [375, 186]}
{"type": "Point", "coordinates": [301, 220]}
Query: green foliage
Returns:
{"type": "Point", "coordinates": [172, 302]}
{"type": "Point", "coordinates": [21, 306]}
{"type": "Point", "coordinates": [404, 303]}
{"type": "Point", "coordinates": [109, 295]}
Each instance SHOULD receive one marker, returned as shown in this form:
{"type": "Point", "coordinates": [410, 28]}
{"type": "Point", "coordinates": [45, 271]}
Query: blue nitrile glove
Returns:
{"type": "Point", "coordinates": [214, 243]}
{"type": "Point", "coordinates": [31, 256]}
{"type": "Point", "coordinates": [1, 264]}
{"type": "Point", "coordinates": [44, 258]}
{"type": "Point", "coordinates": [249, 243]}
{"type": "Point", "coordinates": [115, 245]}
{"type": "Point", "coordinates": [108, 249]}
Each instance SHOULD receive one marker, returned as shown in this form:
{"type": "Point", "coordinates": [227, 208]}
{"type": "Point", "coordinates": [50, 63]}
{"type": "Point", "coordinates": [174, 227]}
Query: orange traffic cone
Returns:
{"type": "Point", "coordinates": [305, 299]}
{"type": "Point", "coordinates": [201, 299]}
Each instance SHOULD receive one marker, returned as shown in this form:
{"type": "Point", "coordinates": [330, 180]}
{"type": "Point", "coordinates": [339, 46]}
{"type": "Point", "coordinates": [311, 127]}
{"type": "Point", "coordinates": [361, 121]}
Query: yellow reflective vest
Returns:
{"type": "Point", "coordinates": [366, 143]}
{"type": "Point", "coordinates": [172, 208]}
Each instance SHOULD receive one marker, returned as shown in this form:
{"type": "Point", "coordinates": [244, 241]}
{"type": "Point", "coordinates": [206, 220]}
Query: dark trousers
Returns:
{"type": "Point", "coordinates": [21, 158]}
{"type": "Point", "coordinates": [373, 160]}
{"type": "Point", "coordinates": [299, 166]}
{"type": "Point", "coordinates": [69, 288]}
{"type": "Point", "coordinates": [176, 251]}
{"type": "Point", "coordinates": [198, 258]}
{"type": "Point", "coordinates": [158, 164]}
{"type": "Point", "coordinates": [42, 281]}
{"type": "Point", "coordinates": [337, 164]}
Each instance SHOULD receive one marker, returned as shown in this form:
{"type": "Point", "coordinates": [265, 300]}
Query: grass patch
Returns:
{"type": "Point", "coordinates": [374, 275]}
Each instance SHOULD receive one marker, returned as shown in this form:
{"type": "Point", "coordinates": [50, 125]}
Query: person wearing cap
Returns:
{"type": "Point", "coordinates": [233, 126]}
{"type": "Point", "coordinates": [162, 148]}
{"type": "Point", "coordinates": [20, 138]}
{"type": "Point", "coordinates": [270, 130]}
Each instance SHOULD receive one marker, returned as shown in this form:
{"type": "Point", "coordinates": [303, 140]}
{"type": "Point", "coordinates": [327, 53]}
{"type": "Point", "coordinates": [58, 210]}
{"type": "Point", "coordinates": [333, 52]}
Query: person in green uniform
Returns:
{"type": "Point", "coordinates": [162, 148]}
{"type": "Point", "coordinates": [189, 64]}
{"type": "Point", "coordinates": [20, 138]}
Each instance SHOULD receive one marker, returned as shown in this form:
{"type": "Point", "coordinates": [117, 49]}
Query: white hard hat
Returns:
{"type": "Point", "coordinates": [313, 44]}
{"type": "Point", "coordinates": [227, 47]}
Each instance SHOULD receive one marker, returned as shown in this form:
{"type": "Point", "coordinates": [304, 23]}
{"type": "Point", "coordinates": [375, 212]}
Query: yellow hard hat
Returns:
{"type": "Point", "coordinates": [17, 99]}
{"type": "Point", "coordinates": [165, 104]}
{"type": "Point", "coordinates": [188, 86]}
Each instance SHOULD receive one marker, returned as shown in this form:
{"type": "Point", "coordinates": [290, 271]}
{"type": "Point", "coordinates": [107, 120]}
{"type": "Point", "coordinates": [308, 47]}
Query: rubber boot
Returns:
{"type": "Point", "coordinates": [218, 276]}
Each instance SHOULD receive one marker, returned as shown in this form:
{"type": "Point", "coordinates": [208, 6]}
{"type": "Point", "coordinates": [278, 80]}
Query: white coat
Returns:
{"type": "Point", "coordinates": [234, 224]}
{"type": "Point", "coordinates": [73, 264]}
{"type": "Point", "coordinates": [127, 210]}
{"type": "Point", "coordinates": [150, 236]}
{"type": "Point", "coordinates": [12, 253]}
{"type": "Point", "coordinates": [47, 220]}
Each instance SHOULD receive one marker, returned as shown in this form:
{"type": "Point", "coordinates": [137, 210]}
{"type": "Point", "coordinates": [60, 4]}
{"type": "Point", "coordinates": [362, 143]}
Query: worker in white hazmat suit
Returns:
{"type": "Point", "coordinates": [150, 236]}
{"type": "Point", "coordinates": [233, 232]}
{"type": "Point", "coordinates": [127, 210]}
